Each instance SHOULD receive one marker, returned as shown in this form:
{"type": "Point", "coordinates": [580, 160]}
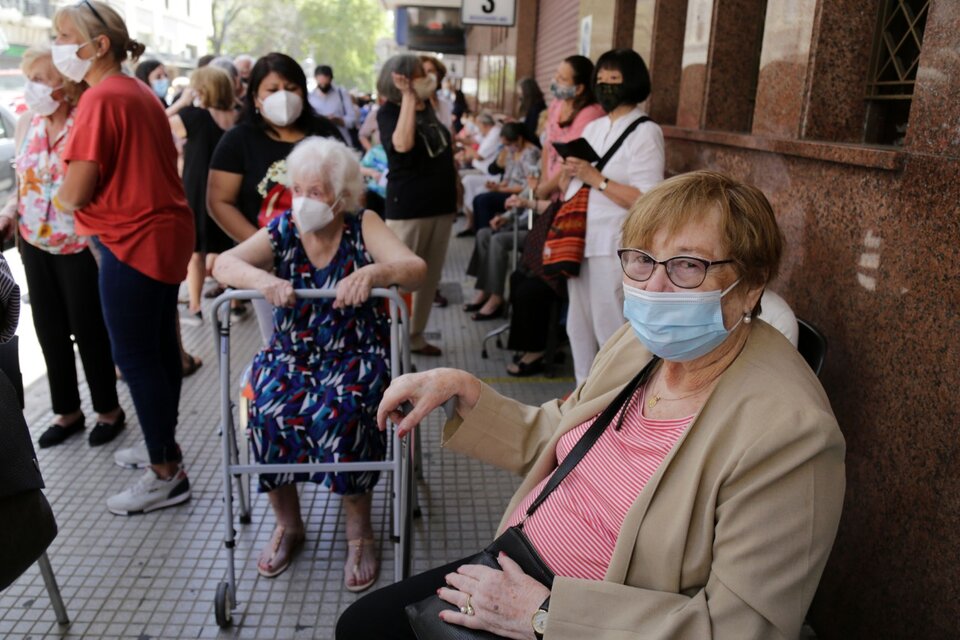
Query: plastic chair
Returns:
{"type": "Point", "coordinates": [812, 345]}
{"type": "Point", "coordinates": [36, 528]}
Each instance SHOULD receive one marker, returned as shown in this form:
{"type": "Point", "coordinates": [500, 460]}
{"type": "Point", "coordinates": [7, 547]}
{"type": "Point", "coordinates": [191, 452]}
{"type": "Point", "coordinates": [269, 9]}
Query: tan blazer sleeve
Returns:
{"type": "Point", "coordinates": [502, 431]}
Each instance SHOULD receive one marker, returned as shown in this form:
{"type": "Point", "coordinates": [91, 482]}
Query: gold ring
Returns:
{"type": "Point", "coordinates": [468, 608]}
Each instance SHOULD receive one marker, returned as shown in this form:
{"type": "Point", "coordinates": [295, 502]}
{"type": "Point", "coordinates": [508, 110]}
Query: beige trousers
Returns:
{"type": "Point", "coordinates": [428, 238]}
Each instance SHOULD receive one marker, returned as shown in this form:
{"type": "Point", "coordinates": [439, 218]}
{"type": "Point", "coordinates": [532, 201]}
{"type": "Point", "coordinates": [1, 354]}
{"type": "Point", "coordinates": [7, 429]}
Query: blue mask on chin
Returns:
{"type": "Point", "coordinates": [677, 325]}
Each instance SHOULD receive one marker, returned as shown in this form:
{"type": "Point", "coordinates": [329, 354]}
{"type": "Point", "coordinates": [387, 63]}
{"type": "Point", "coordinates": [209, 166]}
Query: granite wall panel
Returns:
{"type": "Point", "coordinates": [872, 259]}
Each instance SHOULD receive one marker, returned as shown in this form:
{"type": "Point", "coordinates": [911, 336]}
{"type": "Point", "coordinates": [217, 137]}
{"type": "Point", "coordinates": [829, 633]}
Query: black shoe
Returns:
{"type": "Point", "coordinates": [104, 432]}
{"type": "Point", "coordinates": [439, 300]}
{"type": "Point", "coordinates": [56, 434]}
{"type": "Point", "coordinates": [466, 233]}
{"type": "Point", "coordinates": [493, 315]}
{"type": "Point", "coordinates": [527, 368]}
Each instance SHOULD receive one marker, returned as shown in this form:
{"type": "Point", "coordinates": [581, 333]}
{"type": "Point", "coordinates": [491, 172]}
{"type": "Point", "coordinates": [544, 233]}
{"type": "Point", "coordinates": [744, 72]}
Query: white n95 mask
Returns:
{"type": "Point", "coordinates": [39, 98]}
{"type": "Point", "coordinates": [311, 215]}
{"type": "Point", "coordinates": [67, 62]}
{"type": "Point", "coordinates": [282, 107]}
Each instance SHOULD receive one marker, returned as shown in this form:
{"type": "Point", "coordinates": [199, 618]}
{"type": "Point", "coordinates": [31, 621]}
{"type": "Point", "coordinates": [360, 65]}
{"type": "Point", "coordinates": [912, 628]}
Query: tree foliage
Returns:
{"type": "Point", "coordinates": [340, 33]}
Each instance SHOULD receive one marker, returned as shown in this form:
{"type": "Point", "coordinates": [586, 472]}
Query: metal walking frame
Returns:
{"type": "Point", "coordinates": [399, 461]}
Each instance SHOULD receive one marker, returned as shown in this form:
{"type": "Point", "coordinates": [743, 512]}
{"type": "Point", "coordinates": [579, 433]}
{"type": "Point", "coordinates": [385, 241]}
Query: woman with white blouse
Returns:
{"type": "Point", "coordinates": [621, 82]}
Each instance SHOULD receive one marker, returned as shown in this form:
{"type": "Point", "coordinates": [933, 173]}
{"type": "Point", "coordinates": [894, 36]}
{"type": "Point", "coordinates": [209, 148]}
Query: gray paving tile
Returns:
{"type": "Point", "coordinates": [154, 576]}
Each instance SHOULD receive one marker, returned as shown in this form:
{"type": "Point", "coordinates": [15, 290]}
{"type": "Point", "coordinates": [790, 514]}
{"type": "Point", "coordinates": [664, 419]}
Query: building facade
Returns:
{"type": "Point", "coordinates": [846, 113]}
{"type": "Point", "coordinates": [174, 31]}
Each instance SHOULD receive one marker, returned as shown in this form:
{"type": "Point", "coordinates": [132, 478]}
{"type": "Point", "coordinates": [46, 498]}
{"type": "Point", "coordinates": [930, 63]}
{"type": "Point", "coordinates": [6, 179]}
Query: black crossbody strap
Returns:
{"type": "Point", "coordinates": [590, 438]}
{"type": "Point", "coordinates": [623, 137]}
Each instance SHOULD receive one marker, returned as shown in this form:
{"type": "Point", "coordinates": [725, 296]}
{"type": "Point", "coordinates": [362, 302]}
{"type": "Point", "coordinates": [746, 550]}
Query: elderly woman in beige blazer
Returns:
{"type": "Point", "coordinates": [728, 535]}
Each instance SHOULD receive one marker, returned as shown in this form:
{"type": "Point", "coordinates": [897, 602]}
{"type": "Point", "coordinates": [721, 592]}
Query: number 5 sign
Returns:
{"type": "Point", "coordinates": [491, 13]}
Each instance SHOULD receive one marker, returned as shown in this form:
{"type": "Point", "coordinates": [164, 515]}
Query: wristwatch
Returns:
{"type": "Point", "coordinates": [603, 185]}
{"type": "Point", "coordinates": [539, 620]}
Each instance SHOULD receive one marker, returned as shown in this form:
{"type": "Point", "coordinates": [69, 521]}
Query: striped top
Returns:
{"type": "Point", "coordinates": [576, 527]}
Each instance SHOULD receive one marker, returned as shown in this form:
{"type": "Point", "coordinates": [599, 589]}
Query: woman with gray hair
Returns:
{"type": "Point", "coordinates": [319, 380]}
{"type": "Point", "coordinates": [421, 183]}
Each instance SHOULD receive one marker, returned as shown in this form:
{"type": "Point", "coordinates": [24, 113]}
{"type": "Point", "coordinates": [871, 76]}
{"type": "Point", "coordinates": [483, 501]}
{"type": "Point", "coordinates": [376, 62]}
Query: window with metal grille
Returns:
{"type": "Point", "coordinates": [893, 69]}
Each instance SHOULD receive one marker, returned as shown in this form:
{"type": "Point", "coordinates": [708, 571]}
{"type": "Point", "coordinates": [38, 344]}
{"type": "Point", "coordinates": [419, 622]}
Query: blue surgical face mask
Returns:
{"type": "Point", "coordinates": [160, 87]}
{"type": "Point", "coordinates": [677, 325]}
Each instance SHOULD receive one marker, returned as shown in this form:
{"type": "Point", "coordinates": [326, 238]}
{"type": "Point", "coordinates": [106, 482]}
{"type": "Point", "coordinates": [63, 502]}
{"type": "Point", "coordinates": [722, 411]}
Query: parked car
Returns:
{"type": "Point", "coordinates": [12, 84]}
{"type": "Point", "coordinates": [8, 180]}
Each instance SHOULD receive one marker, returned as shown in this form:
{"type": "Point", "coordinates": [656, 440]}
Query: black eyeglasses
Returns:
{"type": "Point", "coordinates": [86, 3]}
{"type": "Point", "coordinates": [686, 272]}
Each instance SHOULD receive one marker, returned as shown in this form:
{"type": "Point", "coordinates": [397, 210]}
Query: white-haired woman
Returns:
{"type": "Point", "coordinates": [317, 384]}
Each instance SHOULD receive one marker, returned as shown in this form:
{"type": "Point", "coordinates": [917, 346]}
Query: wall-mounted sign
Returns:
{"type": "Point", "coordinates": [489, 13]}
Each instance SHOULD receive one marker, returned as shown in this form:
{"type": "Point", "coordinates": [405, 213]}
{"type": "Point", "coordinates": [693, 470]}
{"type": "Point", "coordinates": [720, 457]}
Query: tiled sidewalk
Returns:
{"type": "Point", "coordinates": [155, 576]}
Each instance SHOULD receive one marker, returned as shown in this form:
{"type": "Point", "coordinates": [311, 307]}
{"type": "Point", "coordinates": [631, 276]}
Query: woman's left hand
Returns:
{"type": "Point", "coordinates": [586, 172]}
{"type": "Point", "coordinates": [502, 602]}
{"type": "Point", "coordinates": [354, 289]}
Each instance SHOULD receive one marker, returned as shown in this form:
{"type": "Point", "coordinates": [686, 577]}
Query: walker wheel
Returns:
{"type": "Point", "coordinates": [245, 518]}
{"type": "Point", "coordinates": [483, 354]}
{"type": "Point", "coordinates": [222, 605]}
{"type": "Point", "coordinates": [417, 513]}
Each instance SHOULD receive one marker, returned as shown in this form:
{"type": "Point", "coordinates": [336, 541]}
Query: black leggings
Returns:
{"type": "Point", "coordinates": [380, 616]}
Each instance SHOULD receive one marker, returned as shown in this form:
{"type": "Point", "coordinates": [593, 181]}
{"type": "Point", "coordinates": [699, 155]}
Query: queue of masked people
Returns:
{"type": "Point", "coordinates": [255, 181]}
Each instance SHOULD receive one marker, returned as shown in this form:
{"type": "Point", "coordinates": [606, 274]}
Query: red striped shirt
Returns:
{"type": "Point", "coordinates": [576, 528]}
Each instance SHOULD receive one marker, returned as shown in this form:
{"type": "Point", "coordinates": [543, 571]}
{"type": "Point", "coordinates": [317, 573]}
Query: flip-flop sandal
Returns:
{"type": "Point", "coordinates": [358, 544]}
{"type": "Point", "coordinates": [276, 540]}
{"type": "Point", "coordinates": [192, 365]}
{"type": "Point", "coordinates": [427, 350]}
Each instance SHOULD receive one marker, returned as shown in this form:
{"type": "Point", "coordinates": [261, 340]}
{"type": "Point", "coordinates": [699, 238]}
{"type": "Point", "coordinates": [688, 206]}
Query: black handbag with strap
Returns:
{"type": "Point", "coordinates": [424, 616]}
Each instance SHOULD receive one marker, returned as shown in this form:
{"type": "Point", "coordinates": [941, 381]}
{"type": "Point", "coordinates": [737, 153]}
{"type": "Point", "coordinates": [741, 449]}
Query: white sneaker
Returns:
{"type": "Point", "coordinates": [150, 493]}
{"type": "Point", "coordinates": [135, 457]}
{"type": "Point", "coordinates": [188, 319]}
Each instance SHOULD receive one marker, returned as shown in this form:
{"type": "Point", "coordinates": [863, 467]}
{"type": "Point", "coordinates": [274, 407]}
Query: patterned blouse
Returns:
{"type": "Point", "coordinates": [40, 173]}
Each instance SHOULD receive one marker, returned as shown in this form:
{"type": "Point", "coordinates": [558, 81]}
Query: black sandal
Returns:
{"type": "Point", "coordinates": [525, 369]}
{"type": "Point", "coordinates": [470, 307]}
{"type": "Point", "coordinates": [493, 315]}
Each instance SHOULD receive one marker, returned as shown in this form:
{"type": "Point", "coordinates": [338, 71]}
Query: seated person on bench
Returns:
{"type": "Point", "coordinates": [318, 382]}
{"type": "Point", "coordinates": [709, 500]}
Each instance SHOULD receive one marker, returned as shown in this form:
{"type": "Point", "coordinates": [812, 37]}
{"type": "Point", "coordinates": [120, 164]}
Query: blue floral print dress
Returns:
{"type": "Point", "coordinates": [319, 381]}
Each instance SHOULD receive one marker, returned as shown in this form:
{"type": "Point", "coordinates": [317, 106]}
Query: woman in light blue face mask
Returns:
{"type": "Point", "coordinates": [712, 484]}
{"type": "Point", "coordinates": [153, 74]}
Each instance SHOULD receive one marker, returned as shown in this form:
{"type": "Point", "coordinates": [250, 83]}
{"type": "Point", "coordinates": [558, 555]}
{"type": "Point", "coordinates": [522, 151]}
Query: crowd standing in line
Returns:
{"type": "Point", "coordinates": [59, 265]}
{"type": "Point", "coordinates": [144, 236]}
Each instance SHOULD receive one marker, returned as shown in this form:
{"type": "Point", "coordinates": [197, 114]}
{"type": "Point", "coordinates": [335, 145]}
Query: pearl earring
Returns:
{"type": "Point", "coordinates": [746, 318]}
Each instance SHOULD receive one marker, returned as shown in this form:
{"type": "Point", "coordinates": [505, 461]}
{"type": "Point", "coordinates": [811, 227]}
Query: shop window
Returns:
{"type": "Point", "coordinates": [893, 69]}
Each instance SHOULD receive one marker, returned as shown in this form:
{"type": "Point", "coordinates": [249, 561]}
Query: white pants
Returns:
{"type": "Point", "coordinates": [596, 309]}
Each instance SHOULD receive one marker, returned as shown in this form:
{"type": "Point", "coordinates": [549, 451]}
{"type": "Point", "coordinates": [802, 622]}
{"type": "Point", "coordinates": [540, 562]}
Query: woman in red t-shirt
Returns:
{"type": "Point", "coordinates": [122, 180]}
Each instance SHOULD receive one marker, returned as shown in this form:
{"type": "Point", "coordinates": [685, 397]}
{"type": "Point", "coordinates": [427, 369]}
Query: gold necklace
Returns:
{"type": "Point", "coordinates": [656, 397]}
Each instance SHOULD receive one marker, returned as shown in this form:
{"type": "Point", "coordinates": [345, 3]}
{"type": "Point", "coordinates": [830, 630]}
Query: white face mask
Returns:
{"type": "Point", "coordinates": [312, 215]}
{"type": "Point", "coordinates": [425, 86]}
{"type": "Point", "coordinates": [67, 62]}
{"type": "Point", "coordinates": [282, 107]}
{"type": "Point", "coordinates": [39, 98]}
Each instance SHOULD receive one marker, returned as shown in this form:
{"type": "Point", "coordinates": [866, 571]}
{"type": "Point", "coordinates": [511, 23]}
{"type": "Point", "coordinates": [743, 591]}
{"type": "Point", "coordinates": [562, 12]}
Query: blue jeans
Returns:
{"type": "Point", "coordinates": [141, 316]}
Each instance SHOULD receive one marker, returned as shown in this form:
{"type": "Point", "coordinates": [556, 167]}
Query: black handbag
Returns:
{"type": "Point", "coordinates": [424, 616]}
